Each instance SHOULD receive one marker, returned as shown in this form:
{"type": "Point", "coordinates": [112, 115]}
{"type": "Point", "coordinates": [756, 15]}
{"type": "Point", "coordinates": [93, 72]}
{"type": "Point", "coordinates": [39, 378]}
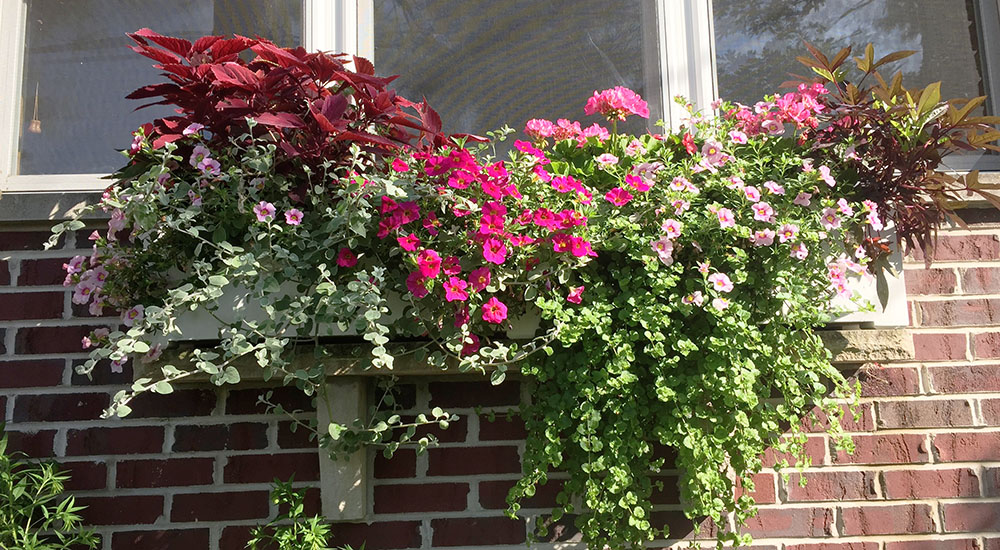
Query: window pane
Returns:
{"type": "Point", "coordinates": [483, 63]}
{"type": "Point", "coordinates": [78, 70]}
{"type": "Point", "coordinates": [756, 42]}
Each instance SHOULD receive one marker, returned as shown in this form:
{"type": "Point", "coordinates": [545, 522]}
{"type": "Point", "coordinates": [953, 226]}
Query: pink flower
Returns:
{"type": "Point", "coordinates": [346, 258]}
{"type": "Point", "coordinates": [773, 127]}
{"type": "Point", "coordinates": [720, 282]}
{"type": "Point", "coordinates": [763, 237]}
{"type": "Point", "coordinates": [664, 248]}
{"type": "Point", "coordinates": [489, 224]}
{"type": "Point", "coordinates": [680, 206]}
{"type": "Point", "coordinates": [695, 298]}
{"type": "Point", "coordinates": [679, 183]}
{"type": "Point", "coordinates": [726, 218]}
{"type": "Point", "coordinates": [618, 196]}
{"type": "Point", "coordinates": [712, 151]}
{"type": "Point", "coordinates": [575, 294]}
{"type": "Point", "coordinates": [617, 102]}
{"type": "Point", "coordinates": [75, 265]}
{"type": "Point", "coordinates": [751, 193]}
{"type": "Point", "coordinates": [409, 243]}
{"type": "Point", "coordinates": [399, 165]}
{"type": "Point", "coordinates": [672, 228]}
{"type": "Point", "coordinates": [454, 289]}
{"type": "Point", "coordinates": [85, 342]}
{"type": "Point", "coordinates": [720, 303]}
{"type": "Point", "coordinates": [471, 345]}
{"type": "Point", "coordinates": [787, 232]}
{"type": "Point", "coordinates": [193, 128]}
{"type": "Point", "coordinates": [830, 220]}
{"type": "Point", "coordinates": [607, 159]}
{"type": "Point", "coordinates": [580, 247]}
{"type": "Point", "coordinates": [209, 166]}
{"type": "Point", "coordinates": [450, 266]}
{"type": "Point", "coordinates": [762, 212]}
{"type": "Point", "coordinates": [802, 199]}
{"type": "Point", "coordinates": [824, 174]}
{"type": "Point", "coordinates": [429, 263]}
{"type": "Point", "coordinates": [634, 148]}
{"type": "Point", "coordinates": [799, 251]}
{"type": "Point", "coordinates": [416, 284]}
{"type": "Point", "coordinates": [494, 311]}
{"type": "Point", "coordinates": [595, 130]}
{"type": "Point", "coordinates": [773, 187]}
{"type": "Point", "coordinates": [874, 220]}
{"type": "Point", "coordinates": [264, 211]}
{"type": "Point", "coordinates": [494, 251]}
{"type": "Point", "coordinates": [293, 216]}
{"type": "Point", "coordinates": [116, 223]}
{"type": "Point", "coordinates": [738, 137]}
{"type": "Point", "coordinates": [637, 183]}
{"type": "Point", "coordinates": [807, 165]}
{"type": "Point", "coordinates": [538, 128]}
{"type": "Point", "coordinates": [844, 208]}
{"type": "Point", "coordinates": [133, 315]}
{"type": "Point", "coordinates": [703, 267]}
{"type": "Point", "coordinates": [199, 154]}
{"type": "Point", "coordinates": [479, 278]}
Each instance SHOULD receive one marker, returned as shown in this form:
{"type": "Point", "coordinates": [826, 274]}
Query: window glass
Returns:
{"type": "Point", "coordinates": [484, 63]}
{"type": "Point", "coordinates": [756, 42]}
{"type": "Point", "coordinates": [78, 70]}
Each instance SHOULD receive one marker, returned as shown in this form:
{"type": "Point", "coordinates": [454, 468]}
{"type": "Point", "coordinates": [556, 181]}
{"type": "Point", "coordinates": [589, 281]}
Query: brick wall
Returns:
{"type": "Point", "coordinates": [193, 472]}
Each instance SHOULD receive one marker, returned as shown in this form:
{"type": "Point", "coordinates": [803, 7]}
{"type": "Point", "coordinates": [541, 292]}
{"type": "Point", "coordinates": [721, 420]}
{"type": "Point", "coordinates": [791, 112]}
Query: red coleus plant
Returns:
{"type": "Point", "coordinates": [310, 103]}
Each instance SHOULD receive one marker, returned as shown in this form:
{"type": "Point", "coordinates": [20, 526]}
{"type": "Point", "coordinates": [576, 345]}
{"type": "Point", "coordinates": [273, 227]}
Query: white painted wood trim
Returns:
{"type": "Point", "coordinates": [12, 18]}
{"type": "Point", "coordinates": [687, 49]}
{"type": "Point", "coordinates": [343, 482]}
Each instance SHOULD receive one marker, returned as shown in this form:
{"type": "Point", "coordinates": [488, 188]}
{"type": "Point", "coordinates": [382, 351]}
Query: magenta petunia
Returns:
{"type": "Point", "coordinates": [429, 263]}
{"type": "Point", "coordinates": [575, 295]}
{"type": "Point", "coordinates": [346, 258]}
{"type": "Point", "coordinates": [494, 311]}
{"type": "Point", "coordinates": [494, 250]}
{"type": "Point", "coordinates": [409, 243]}
{"type": "Point", "coordinates": [479, 278]}
{"type": "Point", "coordinates": [618, 196]}
{"type": "Point", "coordinates": [454, 290]}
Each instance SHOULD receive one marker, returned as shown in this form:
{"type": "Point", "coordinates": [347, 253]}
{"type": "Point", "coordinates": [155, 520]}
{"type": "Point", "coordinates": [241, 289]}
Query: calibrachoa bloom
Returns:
{"type": "Point", "coordinates": [479, 278]}
{"type": "Point", "coordinates": [802, 199]}
{"type": "Point", "coordinates": [264, 211]}
{"type": "Point", "coordinates": [454, 289]}
{"type": "Point", "coordinates": [773, 187]}
{"type": "Point", "coordinates": [399, 165]}
{"type": "Point", "coordinates": [410, 242]}
{"type": "Point", "coordinates": [726, 218]}
{"type": "Point", "coordinates": [788, 232]}
{"type": "Point", "coordinates": [737, 137]}
{"type": "Point", "coordinates": [618, 196]}
{"type": "Point", "coordinates": [664, 248]}
{"type": "Point", "coordinates": [346, 258]}
{"type": "Point", "coordinates": [695, 298]}
{"type": "Point", "coordinates": [617, 103]}
{"type": "Point", "coordinates": [471, 346]}
{"type": "Point", "coordinates": [720, 303]}
{"type": "Point", "coordinates": [672, 228]}
{"type": "Point", "coordinates": [763, 237]}
{"type": "Point", "coordinates": [830, 219]}
{"type": "Point", "coordinates": [133, 315]}
{"type": "Point", "coordinates": [712, 151]}
{"type": "Point", "coordinates": [799, 251]}
{"type": "Point", "coordinates": [416, 284]}
{"type": "Point", "coordinates": [494, 311]}
{"type": "Point", "coordinates": [751, 193]}
{"type": "Point", "coordinates": [575, 295]}
{"type": "Point", "coordinates": [720, 282]}
{"type": "Point", "coordinates": [637, 183]}
{"type": "Point", "coordinates": [824, 174]}
{"type": "Point", "coordinates": [606, 159]}
{"type": "Point", "coordinates": [429, 263]}
{"type": "Point", "coordinates": [293, 216]}
{"type": "Point", "coordinates": [763, 212]}
{"type": "Point", "coordinates": [494, 251]}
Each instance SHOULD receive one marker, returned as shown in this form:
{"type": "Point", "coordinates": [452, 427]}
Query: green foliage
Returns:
{"type": "Point", "coordinates": [34, 514]}
{"type": "Point", "coordinates": [291, 529]}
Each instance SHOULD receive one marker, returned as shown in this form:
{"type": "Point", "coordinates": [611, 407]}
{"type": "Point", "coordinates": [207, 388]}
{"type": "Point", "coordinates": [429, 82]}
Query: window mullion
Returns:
{"type": "Point", "coordinates": [332, 25]}
{"type": "Point", "coordinates": [12, 16]}
{"type": "Point", "coordinates": [686, 55]}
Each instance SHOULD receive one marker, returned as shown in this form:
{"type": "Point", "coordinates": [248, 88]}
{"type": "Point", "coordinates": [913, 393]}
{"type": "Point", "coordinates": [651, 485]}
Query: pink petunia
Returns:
{"type": "Point", "coordinates": [802, 199]}
{"type": "Point", "coordinates": [409, 243]}
{"type": "Point", "coordinates": [664, 249]}
{"type": "Point", "coordinates": [763, 237]}
{"type": "Point", "coordinates": [454, 290]}
{"type": "Point", "coordinates": [429, 263]}
{"type": "Point", "coordinates": [618, 196]}
{"type": "Point", "coordinates": [720, 282]}
{"type": "Point", "coordinates": [416, 284]}
{"type": "Point", "coordinates": [763, 212]}
{"type": "Point", "coordinates": [575, 295]}
{"type": "Point", "coordinates": [712, 151]}
{"type": "Point", "coordinates": [346, 258]}
{"type": "Point", "coordinates": [637, 183]}
{"type": "Point", "coordinates": [479, 278]}
{"type": "Point", "coordinates": [726, 218]}
{"type": "Point", "coordinates": [787, 232]}
{"type": "Point", "coordinates": [494, 311]}
{"type": "Point", "coordinates": [494, 250]}
{"type": "Point", "coordinates": [293, 216]}
{"type": "Point", "coordinates": [720, 304]}
{"type": "Point", "coordinates": [399, 165]}
{"type": "Point", "coordinates": [844, 208]}
{"type": "Point", "coordinates": [264, 211]}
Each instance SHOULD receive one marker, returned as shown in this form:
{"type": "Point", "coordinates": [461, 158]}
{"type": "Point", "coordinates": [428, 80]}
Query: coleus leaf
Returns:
{"type": "Point", "coordinates": [280, 120]}
{"type": "Point", "coordinates": [179, 46]}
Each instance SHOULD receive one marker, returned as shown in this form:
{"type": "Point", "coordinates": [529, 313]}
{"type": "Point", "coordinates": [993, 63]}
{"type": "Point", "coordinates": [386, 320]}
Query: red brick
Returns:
{"type": "Point", "coordinates": [991, 482]}
{"type": "Point", "coordinates": [33, 340]}
{"type": "Point", "coordinates": [235, 537]}
{"type": "Point", "coordinates": [26, 240]}
{"type": "Point", "coordinates": [887, 381]}
{"type": "Point", "coordinates": [903, 519]}
{"type": "Point", "coordinates": [973, 247]}
{"type": "Point", "coordinates": [85, 476]}
{"type": "Point", "coordinates": [971, 517]}
{"type": "Point", "coordinates": [426, 497]}
{"type": "Point", "coordinates": [33, 305]}
{"type": "Point", "coordinates": [885, 449]}
{"type": "Point", "coordinates": [264, 468]}
{"type": "Point", "coordinates": [791, 522]}
{"type": "Point", "coordinates": [114, 441]}
{"type": "Point", "coordinates": [815, 449]}
{"type": "Point", "coordinates": [180, 403]}
{"type": "Point", "coordinates": [34, 444]}
{"type": "Point", "coordinates": [121, 509]}
{"type": "Point", "coordinates": [924, 282]}
{"type": "Point", "coordinates": [59, 407]}
{"type": "Point", "coordinates": [245, 401]}
{"type": "Point", "coordinates": [763, 489]}
{"type": "Point", "coordinates": [986, 345]}
{"type": "Point", "coordinates": [219, 506]}
{"type": "Point", "coordinates": [188, 539]}
{"type": "Point", "coordinates": [298, 439]}
{"type": "Point", "coordinates": [239, 436]}
{"type": "Point", "coordinates": [971, 312]}
{"type": "Point", "coordinates": [991, 411]}
{"type": "Point", "coordinates": [832, 486]}
{"type": "Point", "coordinates": [965, 379]}
{"type": "Point", "coordinates": [493, 494]}
{"type": "Point", "coordinates": [938, 544]}
{"type": "Point", "coordinates": [102, 375]}
{"type": "Point", "coordinates": [477, 531]}
{"type": "Point", "coordinates": [382, 535]}
{"type": "Point", "coordinates": [991, 544]}
{"type": "Point", "coordinates": [457, 461]}
{"type": "Point", "coordinates": [27, 374]}
{"type": "Point", "coordinates": [939, 347]}
{"type": "Point", "coordinates": [980, 280]}
{"type": "Point", "coordinates": [456, 432]}
{"type": "Point", "coordinates": [940, 483]}
{"type": "Point", "coordinates": [680, 526]}
{"type": "Point", "coordinates": [967, 446]}
{"type": "Point", "coordinates": [474, 394]}
{"type": "Point", "coordinates": [821, 423]}
{"type": "Point", "coordinates": [402, 464]}
{"type": "Point", "coordinates": [502, 428]}
{"type": "Point", "coordinates": [164, 473]}
{"type": "Point", "coordinates": [834, 546]}
{"type": "Point", "coordinates": [45, 271]}
{"type": "Point", "coordinates": [924, 414]}
{"type": "Point", "coordinates": [4, 273]}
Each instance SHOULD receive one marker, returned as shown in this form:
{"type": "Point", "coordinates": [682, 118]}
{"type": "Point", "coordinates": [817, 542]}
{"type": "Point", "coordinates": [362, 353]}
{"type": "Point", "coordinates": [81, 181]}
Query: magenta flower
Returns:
{"type": "Point", "coordinates": [595, 130]}
{"type": "Point", "coordinates": [429, 263]}
{"type": "Point", "coordinates": [491, 223]}
{"type": "Point", "coordinates": [764, 237]}
{"type": "Point", "coordinates": [134, 315]}
{"type": "Point", "coordinates": [720, 282]}
{"type": "Point", "coordinates": [293, 216]}
{"type": "Point", "coordinates": [494, 311]}
{"type": "Point", "coordinates": [264, 211]}
{"type": "Point", "coordinates": [398, 165]}
{"type": "Point", "coordinates": [471, 345]}
{"type": "Point", "coordinates": [575, 294]}
{"type": "Point", "coordinates": [762, 212]}
{"type": "Point", "coordinates": [581, 247]}
{"type": "Point", "coordinates": [618, 196]}
{"type": "Point", "coordinates": [416, 284]}
{"type": "Point", "coordinates": [538, 128]}
{"type": "Point", "coordinates": [346, 258]}
{"type": "Point", "coordinates": [454, 289]}
{"type": "Point", "coordinates": [409, 243]}
{"type": "Point", "coordinates": [494, 250]}
{"type": "Point", "coordinates": [479, 278]}
{"type": "Point", "coordinates": [617, 103]}
{"type": "Point", "coordinates": [637, 183]}
{"type": "Point", "coordinates": [450, 266]}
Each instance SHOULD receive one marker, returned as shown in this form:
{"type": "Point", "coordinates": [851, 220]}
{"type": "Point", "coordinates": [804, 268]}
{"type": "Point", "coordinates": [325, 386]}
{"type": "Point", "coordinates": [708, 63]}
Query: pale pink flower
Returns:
{"type": "Point", "coordinates": [695, 298]}
{"type": "Point", "coordinates": [712, 151]}
{"type": "Point", "coordinates": [672, 228]}
{"type": "Point", "coordinates": [664, 248]}
{"type": "Point", "coordinates": [773, 127]}
{"type": "Point", "coordinates": [720, 303]}
{"type": "Point", "coordinates": [607, 159]}
{"type": "Point", "coordinates": [133, 315]}
{"type": "Point", "coordinates": [763, 212]}
{"type": "Point", "coordinates": [773, 187]}
{"type": "Point", "coordinates": [736, 182]}
{"type": "Point", "coordinates": [799, 251]}
{"type": "Point", "coordinates": [85, 342]}
{"type": "Point", "coordinates": [788, 232]}
{"type": "Point", "coordinates": [830, 219]}
{"type": "Point", "coordinates": [199, 154]}
{"type": "Point", "coordinates": [680, 206]}
{"type": "Point", "coordinates": [193, 128]}
{"type": "Point", "coordinates": [264, 211]}
{"type": "Point", "coordinates": [703, 267]}
{"type": "Point", "coordinates": [763, 237]}
{"type": "Point", "coordinates": [726, 218]}
{"type": "Point", "coordinates": [75, 265]}
{"type": "Point", "coordinates": [634, 148]}
{"type": "Point", "coordinates": [293, 216]}
{"type": "Point", "coordinates": [752, 193]}
{"type": "Point", "coordinates": [875, 221]}
{"type": "Point", "coordinates": [720, 282]}
{"type": "Point", "coordinates": [844, 207]}
{"type": "Point", "coordinates": [824, 174]}
{"type": "Point", "coordinates": [679, 183]}
{"type": "Point", "coordinates": [807, 165]}
{"type": "Point", "coordinates": [737, 137]}
{"type": "Point", "coordinates": [802, 199]}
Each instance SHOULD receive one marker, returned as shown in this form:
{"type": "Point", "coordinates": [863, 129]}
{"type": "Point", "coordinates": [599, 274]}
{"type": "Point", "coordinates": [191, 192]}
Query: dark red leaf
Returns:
{"type": "Point", "coordinates": [179, 46]}
{"type": "Point", "coordinates": [363, 66]}
{"type": "Point", "coordinates": [280, 120]}
{"type": "Point", "coordinates": [236, 75]}
{"type": "Point", "coordinates": [204, 43]}
{"type": "Point", "coordinates": [156, 54]}
{"type": "Point", "coordinates": [153, 90]}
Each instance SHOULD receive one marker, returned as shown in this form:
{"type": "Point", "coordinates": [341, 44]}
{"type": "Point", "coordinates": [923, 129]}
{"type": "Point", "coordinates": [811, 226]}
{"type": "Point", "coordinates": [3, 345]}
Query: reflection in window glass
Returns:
{"type": "Point", "coordinates": [756, 42]}
{"type": "Point", "coordinates": [483, 63]}
{"type": "Point", "coordinates": [78, 70]}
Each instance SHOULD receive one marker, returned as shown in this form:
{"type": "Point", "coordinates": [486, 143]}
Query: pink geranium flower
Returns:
{"type": "Point", "coordinates": [539, 128]}
{"type": "Point", "coordinates": [494, 311]}
{"type": "Point", "coordinates": [293, 216]}
{"type": "Point", "coordinates": [606, 159]}
{"type": "Point", "coordinates": [264, 211]}
{"type": "Point", "coordinates": [720, 282]}
{"type": "Point", "coordinates": [454, 290]}
{"type": "Point", "coordinates": [618, 196]}
{"type": "Point", "coordinates": [575, 295]}
{"type": "Point", "coordinates": [617, 103]}
{"type": "Point", "coordinates": [346, 258]}
{"type": "Point", "coordinates": [494, 250]}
